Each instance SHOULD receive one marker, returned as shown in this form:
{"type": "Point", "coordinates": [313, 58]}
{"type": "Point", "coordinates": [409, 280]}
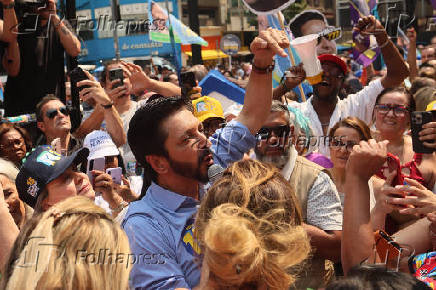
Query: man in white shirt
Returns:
{"type": "Point", "coordinates": [325, 108]}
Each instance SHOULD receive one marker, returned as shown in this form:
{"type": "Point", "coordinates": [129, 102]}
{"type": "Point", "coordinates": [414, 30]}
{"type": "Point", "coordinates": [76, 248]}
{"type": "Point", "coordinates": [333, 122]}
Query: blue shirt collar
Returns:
{"type": "Point", "coordinates": [169, 199]}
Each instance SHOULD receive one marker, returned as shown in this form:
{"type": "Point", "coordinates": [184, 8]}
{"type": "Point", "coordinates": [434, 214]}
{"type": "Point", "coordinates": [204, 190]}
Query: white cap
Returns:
{"type": "Point", "coordinates": [100, 144]}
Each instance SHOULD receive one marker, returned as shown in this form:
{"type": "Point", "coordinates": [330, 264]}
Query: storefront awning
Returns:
{"type": "Point", "coordinates": [209, 54]}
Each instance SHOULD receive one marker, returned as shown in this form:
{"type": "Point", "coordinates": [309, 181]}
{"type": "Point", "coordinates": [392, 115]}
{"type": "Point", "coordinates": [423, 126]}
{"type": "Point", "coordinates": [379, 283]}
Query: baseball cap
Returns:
{"type": "Point", "coordinates": [42, 166]}
{"type": "Point", "coordinates": [207, 107]}
{"type": "Point", "coordinates": [333, 58]}
{"type": "Point", "coordinates": [100, 144]}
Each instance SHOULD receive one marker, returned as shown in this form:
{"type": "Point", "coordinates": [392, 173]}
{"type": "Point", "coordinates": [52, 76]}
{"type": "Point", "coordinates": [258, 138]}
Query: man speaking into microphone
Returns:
{"type": "Point", "coordinates": [169, 142]}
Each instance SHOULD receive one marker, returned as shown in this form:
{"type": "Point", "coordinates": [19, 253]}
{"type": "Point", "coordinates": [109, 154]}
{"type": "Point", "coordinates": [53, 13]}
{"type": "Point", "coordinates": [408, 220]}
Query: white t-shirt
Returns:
{"type": "Point", "coordinates": [358, 105]}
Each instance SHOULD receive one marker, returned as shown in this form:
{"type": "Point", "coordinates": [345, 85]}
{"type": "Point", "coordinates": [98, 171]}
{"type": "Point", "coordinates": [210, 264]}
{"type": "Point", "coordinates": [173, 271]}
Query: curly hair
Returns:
{"type": "Point", "coordinates": [249, 228]}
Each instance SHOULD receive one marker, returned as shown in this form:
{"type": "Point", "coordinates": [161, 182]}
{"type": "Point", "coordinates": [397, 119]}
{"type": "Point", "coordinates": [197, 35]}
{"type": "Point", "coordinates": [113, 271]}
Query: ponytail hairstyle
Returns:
{"type": "Point", "coordinates": [61, 248]}
{"type": "Point", "coordinates": [249, 228]}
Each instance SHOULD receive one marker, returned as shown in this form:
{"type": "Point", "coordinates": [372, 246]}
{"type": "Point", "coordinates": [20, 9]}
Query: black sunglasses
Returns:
{"type": "Point", "coordinates": [54, 112]}
{"type": "Point", "coordinates": [279, 131]}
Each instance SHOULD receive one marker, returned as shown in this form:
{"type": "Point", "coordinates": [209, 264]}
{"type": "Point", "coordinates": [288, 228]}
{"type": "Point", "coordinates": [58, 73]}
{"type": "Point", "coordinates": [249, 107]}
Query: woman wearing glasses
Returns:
{"type": "Point", "coordinates": [392, 121]}
{"type": "Point", "coordinates": [343, 136]}
{"type": "Point", "coordinates": [14, 143]}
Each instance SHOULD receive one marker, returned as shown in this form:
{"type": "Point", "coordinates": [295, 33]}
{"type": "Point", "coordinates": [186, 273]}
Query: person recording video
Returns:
{"type": "Point", "coordinates": [42, 37]}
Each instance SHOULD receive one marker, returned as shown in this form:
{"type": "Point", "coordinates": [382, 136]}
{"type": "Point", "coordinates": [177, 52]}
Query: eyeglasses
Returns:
{"type": "Point", "coordinates": [398, 110]}
{"type": "Point", "coordinates": [54, 112]}
{"type": "Point", "coordinates": [279, 131]}
{"type": "Point", "coordinates": [330, 33]}
{"type": "Point", "coordinates": [338, 144]}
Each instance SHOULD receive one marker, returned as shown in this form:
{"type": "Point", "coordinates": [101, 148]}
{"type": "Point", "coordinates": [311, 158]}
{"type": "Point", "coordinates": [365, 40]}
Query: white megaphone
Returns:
{"type": "Point", "coordinates": [306, 49]}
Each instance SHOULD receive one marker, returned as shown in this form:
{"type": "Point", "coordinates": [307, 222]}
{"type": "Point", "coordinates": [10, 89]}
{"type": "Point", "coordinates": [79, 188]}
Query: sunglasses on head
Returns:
{"type": "Point", "coordinates": [54, 112]}
{"type": "Point", "coordinates": [279, 131]}
{"type": "Point", "coordinates": [330, 33]}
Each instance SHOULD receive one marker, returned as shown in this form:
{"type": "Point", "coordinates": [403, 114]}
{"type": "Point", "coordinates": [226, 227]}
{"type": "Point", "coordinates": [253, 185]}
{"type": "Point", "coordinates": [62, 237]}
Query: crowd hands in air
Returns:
{"type": "Point", "coordinates": [133, 180]}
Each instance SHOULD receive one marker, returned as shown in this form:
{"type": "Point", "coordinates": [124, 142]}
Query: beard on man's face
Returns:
{"type": "Point", "coordinates": [190, 170]}
{"type": "Point", "coordinates": [278, 161]}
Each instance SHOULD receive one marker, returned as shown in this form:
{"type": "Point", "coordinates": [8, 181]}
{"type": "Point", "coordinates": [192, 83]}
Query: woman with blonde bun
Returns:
{"type": "Point", "coordinates": [249, 230]}
{"type": "Point", "coordinates": [73, 245]}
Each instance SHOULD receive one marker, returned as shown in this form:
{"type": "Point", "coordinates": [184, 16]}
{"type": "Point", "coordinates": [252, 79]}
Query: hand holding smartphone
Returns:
{"type": "Point", "coordinates": [116, 74]}
{"type": "Point", "coordinates": [95, 164]}
{"type": "Point", "coordinates": [77, 75]}
{"type": "Point", "coordinates": [418, 119]}
{"type": "Point", "coordinates": [116, 174]}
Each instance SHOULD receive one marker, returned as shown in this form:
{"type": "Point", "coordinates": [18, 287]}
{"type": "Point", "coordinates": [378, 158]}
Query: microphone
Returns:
{"type": "Point", "coordinates": [214, 173]}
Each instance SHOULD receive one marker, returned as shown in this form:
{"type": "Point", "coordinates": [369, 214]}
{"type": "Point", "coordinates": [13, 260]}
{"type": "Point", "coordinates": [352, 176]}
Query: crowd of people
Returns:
{"type": "Point", "coordinates": [155, 189]}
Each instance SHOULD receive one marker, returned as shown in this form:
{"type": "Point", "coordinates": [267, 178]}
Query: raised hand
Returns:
{"type": "Point", "coordinates": [367, 158]}
{"type": "Point", "coordinates": [269, 43]}
{"type": "Point", "coordinates": [369, 25]}
{"type": "Point", "coordinates": [94, 91]}
{"type": "Point", "coordinates": [140, 81]}
{"type": "Point", "coordinates": [296, 75]}
{"type": "Point", "coordinates": [428, 134]}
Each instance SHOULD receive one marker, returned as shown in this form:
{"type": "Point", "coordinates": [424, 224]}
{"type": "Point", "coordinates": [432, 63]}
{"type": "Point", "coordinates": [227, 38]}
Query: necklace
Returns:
{"type": "Point", "coordinates": [325, 124]}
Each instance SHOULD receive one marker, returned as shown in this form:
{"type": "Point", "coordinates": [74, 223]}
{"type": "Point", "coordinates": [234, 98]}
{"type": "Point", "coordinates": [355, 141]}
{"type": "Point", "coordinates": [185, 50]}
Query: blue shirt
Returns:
{"type": "Point", "coordinates": [160, 225]}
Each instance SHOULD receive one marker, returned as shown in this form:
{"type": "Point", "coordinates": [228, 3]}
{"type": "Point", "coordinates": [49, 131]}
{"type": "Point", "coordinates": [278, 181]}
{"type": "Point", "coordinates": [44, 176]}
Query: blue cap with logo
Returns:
{"type": "Point", "coordinates": [42, 166]}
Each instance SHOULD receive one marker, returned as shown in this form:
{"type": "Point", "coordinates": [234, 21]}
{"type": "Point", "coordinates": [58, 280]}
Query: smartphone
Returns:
{"type": "Point", "coordinates": [417, 120]}
{"type": "Point", "coordinates": [77, 75]}
{"type": "Point", "coordinates": [387, 249]}
{"type": "Point", "coordinates": [116, 174]}
{"type": "Point", "coordinates": [95, 164]}
{"type": "Point", "coordinates": [187, 82]}
{"type": "Point", "coordinates": [117, 74]}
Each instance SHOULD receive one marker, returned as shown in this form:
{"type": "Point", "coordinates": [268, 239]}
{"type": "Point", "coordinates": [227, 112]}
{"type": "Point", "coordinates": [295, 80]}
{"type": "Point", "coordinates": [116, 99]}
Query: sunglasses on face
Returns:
{"type": "Point", "coordinates": [398, 110]}
{"type": "Point", "coordinates": [279, 131]}
{"type": "Point", "coordinates": [338, 144]}
{"type": "Point", "coordinates": [54, 112]}
{"type": "Point", "coordinates": [330, 33]}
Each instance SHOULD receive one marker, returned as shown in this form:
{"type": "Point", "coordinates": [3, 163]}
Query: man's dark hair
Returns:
{"type": "Point", "coordinates": [146, 135]}
{"type": "Point", "coordinates": [295, 26]}
{"type": "Point", "coordinates": [167, 77]}
{"type": "Point", "coordinates": [371, 277]}
{"type": "Point", "coordinates": [44, 100]}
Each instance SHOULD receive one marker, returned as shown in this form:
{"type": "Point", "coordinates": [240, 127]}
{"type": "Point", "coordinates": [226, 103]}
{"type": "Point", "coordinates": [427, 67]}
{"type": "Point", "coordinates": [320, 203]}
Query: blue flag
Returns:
{"type": "Point", "coordinates": [159, 30]}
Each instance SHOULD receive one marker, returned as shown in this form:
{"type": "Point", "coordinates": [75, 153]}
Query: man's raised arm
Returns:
{"type": "Point", "coordinates": [258, 94]}
{"type": "Point", "coordinates": [397, 69]}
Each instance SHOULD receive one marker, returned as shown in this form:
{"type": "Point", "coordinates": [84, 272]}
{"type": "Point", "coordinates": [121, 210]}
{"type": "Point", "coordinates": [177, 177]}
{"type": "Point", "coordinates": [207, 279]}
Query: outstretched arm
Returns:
{"type": "Point", "coordinates": [141, 82]}
{"type": "Point", "coordinates": [11, 57]}
{"type": "Point", "coordinates": [69, 40]}
{"type": "Point", "coordinates": [258, 94]}
{"type": "Point", "coordinates": [397, 70]}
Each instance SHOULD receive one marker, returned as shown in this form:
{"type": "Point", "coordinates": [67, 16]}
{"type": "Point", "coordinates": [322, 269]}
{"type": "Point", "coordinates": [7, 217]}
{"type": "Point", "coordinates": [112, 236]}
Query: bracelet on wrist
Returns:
{"type": "Point", "coordinates": [108, 106]}
{"type": "Point", "coordinates": [122, 205]}
{"type": "Point", "coordinates": [9, 6]}
{"type": "Point", "coordinates": [385, 43]}
{"type": "Point", "coordinates": [263, 70]}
